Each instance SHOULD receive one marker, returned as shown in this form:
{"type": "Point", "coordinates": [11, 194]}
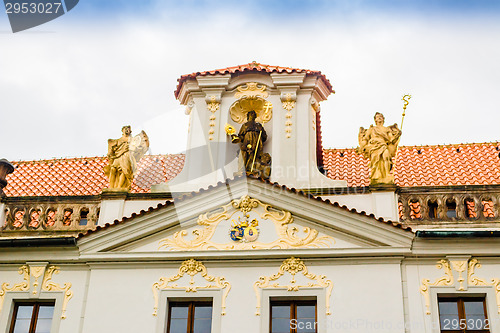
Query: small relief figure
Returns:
{"type": "Point", "coordinates": [123, 155]}
{"type": "Point", "coordinates": [251, 138]}
{"type": "Point", "coordinates": [263, 166]}
{"type": "Point", "coordinates": [379, 144]}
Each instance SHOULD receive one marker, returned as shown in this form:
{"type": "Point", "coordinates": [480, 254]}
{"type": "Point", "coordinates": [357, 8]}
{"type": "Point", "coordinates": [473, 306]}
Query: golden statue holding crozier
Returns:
{"type": "Point", "coordinates": [379, 145]}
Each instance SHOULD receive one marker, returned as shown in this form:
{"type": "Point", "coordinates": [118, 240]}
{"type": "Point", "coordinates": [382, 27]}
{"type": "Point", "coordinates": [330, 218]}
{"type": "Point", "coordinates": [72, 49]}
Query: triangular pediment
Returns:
{"type": "Point", "coordinates": [242, 216]}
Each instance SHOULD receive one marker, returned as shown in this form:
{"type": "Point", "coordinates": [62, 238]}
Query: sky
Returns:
{"type": "Point", "coordinates": [69, 85]}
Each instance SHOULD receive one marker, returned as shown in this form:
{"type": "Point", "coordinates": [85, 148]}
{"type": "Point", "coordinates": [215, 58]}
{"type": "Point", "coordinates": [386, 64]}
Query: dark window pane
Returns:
{"type": "Point", "coordinates": [24, 311]}
{"type": "Point", "coordinates": [306, 326]}
{"type": "Point", "coordinates": [449, 322]}
{"type": "Point", "coordinates": [281, 311]}
{"type": "Point", "coordinates": [22, 326]}
{"type": "Point", "coordinates": [46, 311]}
{"type": "Point", "coordinates": [178, 325]}
{"type": "Point", "coordinates": [473, 308]}
{"type": "Point", "coordinates": [280, 325]}
{"type": "Point", "coordinates": [476, 322]}
{"type": "Point", "coordinates": [202, 325]}
{"type": "Point", "coordinates": [306, 311]}
{"type": "Point", "coordinates": [203, 311]}
{"type": "Point", "coordinates": [448, 308]}
{"type": "Point", "coordinates": [43, 325]}
{"type": "Point", "coordinates": [179, 312]}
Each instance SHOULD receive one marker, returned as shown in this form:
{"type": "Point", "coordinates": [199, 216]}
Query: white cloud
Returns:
{"type": "Point", "coordinates": [65, 93]}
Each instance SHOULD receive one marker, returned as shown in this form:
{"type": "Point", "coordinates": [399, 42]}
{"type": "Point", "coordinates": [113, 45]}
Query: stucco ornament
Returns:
{"type": "Point", "coordinates": [192, 267]}
{"type": "Point", "coordinates": [288, 235]}
{"type": "Point", "coordinates": [123, 155]}
{"type": "Point", "coordinates": [379, 144]}
{"type": "Point", "coordinates": [251, 96]}
{"type": "Point", "coordinates": [447, 280]}
{"type": "Point", "coordinates": [32, 273]}
{"type": "Point", "coordinates": [293, 266]}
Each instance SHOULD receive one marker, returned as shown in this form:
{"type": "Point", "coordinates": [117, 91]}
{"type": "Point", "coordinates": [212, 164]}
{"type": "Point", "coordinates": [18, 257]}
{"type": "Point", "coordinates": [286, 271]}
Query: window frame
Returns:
{"type": "Point", "coordinates": [191, 311]}
{"type": "Point", "coordinates": [13, 297]}
{"type": "Point", "coordinates": [459, 300]}
{"type": "Point", "coordinates": [293, 303]}
{"type": "Point", "coordinates": [168, 295]}
{"type": "Point", "coordinates": [34, 314]}
{"type": "Point", "coordinates": [272, 294]}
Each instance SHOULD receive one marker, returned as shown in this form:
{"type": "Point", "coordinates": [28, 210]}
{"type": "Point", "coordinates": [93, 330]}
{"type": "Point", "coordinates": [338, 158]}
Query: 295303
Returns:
{"type": "Point", "coordinates": [33, 8]}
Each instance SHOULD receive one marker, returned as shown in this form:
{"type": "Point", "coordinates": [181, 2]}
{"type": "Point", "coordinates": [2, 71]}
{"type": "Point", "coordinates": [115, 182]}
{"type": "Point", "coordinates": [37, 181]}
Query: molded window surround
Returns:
{"type": "Point", "coordinates": [486, 292]}
{"type": "Point", "coordinates": [11, 297]}
{"type": "Point", "coordinates": [316, 294]}
{"type": "Point", "coordinates": [166, 296]}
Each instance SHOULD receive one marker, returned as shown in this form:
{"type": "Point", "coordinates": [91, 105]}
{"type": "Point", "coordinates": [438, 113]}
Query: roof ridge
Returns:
{"type": "Point", "coordinates": [430, 146]}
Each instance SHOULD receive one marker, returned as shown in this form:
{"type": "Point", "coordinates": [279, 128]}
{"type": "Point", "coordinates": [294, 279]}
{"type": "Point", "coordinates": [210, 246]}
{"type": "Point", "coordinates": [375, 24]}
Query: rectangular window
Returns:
{"type": "Point", "coordinates": [32, 317]}
{"type": "Point", "coordinates": [293, 316]}
{"type": "Point", "coordinates": [463, 314]}
{"type": "Point", "coordinates": [189, 317]}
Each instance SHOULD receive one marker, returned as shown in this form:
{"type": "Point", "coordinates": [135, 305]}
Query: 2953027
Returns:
{"type": "Point", "coordinates": [33, 8]}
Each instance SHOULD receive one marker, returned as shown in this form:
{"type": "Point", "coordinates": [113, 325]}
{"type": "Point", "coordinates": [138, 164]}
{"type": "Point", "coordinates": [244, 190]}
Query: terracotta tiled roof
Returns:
{"type": "Point", "coordinates": [253, 66]}
{"type": "Point", "coordinates": [461, 164]}
{"type": "Point", "coordinates": [84, 176]}
{"type": "Point", "coordinates": [457, 164]}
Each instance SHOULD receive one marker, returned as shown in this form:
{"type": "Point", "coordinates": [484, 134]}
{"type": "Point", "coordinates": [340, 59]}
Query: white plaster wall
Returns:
{"type": "Point", "coordinates": [120, 300]}
{"type": "Point", "coordinates": [365, 298]}
{"type": "Point", "coordinates": [380, 204]}
{"type": "Point", "coordinates": [135, 206]}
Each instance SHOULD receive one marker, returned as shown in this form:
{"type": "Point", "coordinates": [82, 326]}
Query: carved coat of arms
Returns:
{"type": "Point", "coordinates": [244, 231]}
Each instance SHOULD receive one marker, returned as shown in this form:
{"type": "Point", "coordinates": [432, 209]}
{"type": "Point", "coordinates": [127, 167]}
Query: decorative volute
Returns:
{"type": "Point", "coordinates": [286, 102]}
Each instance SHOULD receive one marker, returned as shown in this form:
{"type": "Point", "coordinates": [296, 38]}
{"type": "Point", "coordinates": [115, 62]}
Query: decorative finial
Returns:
{"type": "Point", "coordinates": [406, 98]}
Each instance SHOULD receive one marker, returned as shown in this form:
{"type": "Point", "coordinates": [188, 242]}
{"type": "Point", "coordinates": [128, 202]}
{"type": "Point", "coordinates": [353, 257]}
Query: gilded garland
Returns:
{"type": "Point", "coordinates": [191, 267]}
{"type": "Point", "coordinates": [201, 238]}
{"type": "Point", "coordinates": [293, 266]}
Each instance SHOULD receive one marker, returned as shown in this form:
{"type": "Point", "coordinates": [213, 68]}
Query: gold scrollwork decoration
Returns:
{"type": "Point", "coordinates": [288, 103]}
{"type": "Point", "coordinates": [22, 286]}
{"type": "Point", "coordinates": [460, 267]}
{"type": "Point", "coordinates": [240, 108]}
{"type": "Point", "coordinates": [37, 272]}
{"type": "Point", "coordinates": [445, 280]}
{"type": "Point", "coordinates": [293, 266]}
{"type": "Point", "coordinates": [213, 106]}
{"type": "Point", "coordinates": [251, 90]}
{"type": "Point", "coordinates": [47, 284]}
{"type": "Point", "coordinates": [475, 281]}
{"type": "Point", "coordinates": [192, 267]}
{"type": "Point", "coordinates": [287, 234]}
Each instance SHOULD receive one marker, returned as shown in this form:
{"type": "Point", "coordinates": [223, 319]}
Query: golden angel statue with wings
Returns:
{"type": "Point", "coordinates": [123, 155]}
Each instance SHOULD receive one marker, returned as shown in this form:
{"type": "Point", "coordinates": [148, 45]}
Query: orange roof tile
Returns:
{"type": "Point", "coordinates": [458, 164]}
{"type": "Point", "coordinates": [84, 176]}
{"type": "Point", "coordinates": [461, 164]}
{"type": "Point", "coordinates": [252, 66]}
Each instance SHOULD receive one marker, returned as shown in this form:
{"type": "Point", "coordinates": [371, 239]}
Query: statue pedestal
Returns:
{"type": "Point", "coordinates": [112, 204]}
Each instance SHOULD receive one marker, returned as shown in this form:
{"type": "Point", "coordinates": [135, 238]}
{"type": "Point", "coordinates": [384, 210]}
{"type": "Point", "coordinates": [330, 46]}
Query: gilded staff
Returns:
{"type": "Point", "coordinates": [406, 98]}
{"type": "Point", "coordinates": [256, 148]}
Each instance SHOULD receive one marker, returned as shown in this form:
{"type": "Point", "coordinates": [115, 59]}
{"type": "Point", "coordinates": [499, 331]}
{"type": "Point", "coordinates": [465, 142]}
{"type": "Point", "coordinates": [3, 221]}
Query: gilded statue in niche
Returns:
{"type": "Point", "coordinates": [123, 155]}
{"type": "Point", "coordinates": [251, 139]}
{"type": "Point", "coordinates": [379, 144]}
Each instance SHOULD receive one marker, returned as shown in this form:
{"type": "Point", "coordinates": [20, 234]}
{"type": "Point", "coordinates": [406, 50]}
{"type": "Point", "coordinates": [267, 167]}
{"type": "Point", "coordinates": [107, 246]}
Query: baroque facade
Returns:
{"type": "Point", "coordinates": [273, 235]}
